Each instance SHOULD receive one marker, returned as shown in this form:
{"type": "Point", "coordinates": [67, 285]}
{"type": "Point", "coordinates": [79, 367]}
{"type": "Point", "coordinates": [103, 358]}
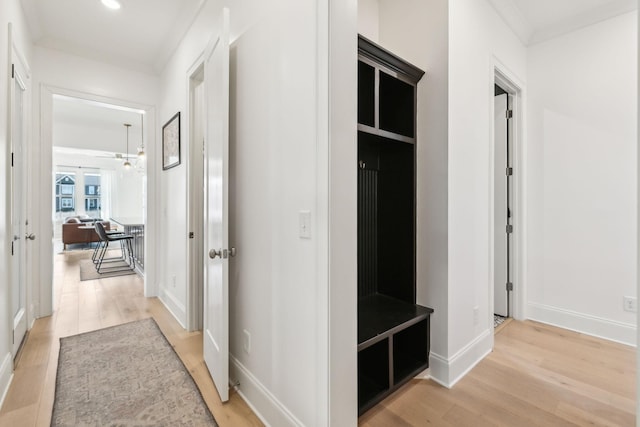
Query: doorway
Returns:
{"type": "Point", "coordinates": [508, 190]}
{"type": "Point", "coordinates": [503, 226]}
{"type": "Point", "coordinates": [45, 221]}
{"type": "Point", "coordinates": [195, 204]}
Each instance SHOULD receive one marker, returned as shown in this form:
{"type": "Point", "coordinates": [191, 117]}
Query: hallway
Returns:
{"type": "Point", "coordinates": [90, 305]}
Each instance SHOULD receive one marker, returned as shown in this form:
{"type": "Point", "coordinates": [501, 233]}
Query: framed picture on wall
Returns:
{"type": "Point", "coordinates": [171, 142]}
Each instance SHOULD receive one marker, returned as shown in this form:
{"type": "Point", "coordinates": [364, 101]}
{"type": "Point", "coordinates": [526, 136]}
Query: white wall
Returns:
{"type": "Point", "coordinates": [456, 42]}
{"type": "Point", "coordinates": [582, 161]}
{"type": "Point", "coordinates": [10, 12]}
{"type": "Point", "coordinates": [56, 72]}
{"type": "Point", "coordinates": [91, 137]}
{"type": "Point", "coordinates": [418, 31]}
{"type": "Point", "coordinates": [127, 189]}
{"type": "Point", "coordinates": [477, 38]}
{"type": "Point", "coordinates": [275, 293]}
{"type": "Point", "coordinates": [337, 177]}
{"type": "Point", "coordinates": [369, 19]}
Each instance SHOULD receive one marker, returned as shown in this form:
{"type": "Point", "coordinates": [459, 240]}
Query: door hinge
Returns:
{"type": "Point", "coordinates": [509, 286]}
{"type": "Point", "coordinates": [12, 248]}
{"type": "Point", "coordinates": [13, 70]}
{"type": "Point", "coordinates": [11, 159]}
{"type": "Point", "coordinates": [509, 114]}
{"type": "Point", "coordinates": [509, 228]}
{"type": "Point", "coordinates": [191, 235]}
{"type": "Point", "coordinates": [509, 171]}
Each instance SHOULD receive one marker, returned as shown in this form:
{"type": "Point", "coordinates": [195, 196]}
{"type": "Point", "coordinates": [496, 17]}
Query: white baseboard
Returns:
{"type": "Point", "coordinates": [611, 330]}
{"type": "Point", "coordinates": [175, 307]}
{"type": "Point", "coordinates": [6, 374]}
{"type": "Point", "coordinates": [447, 372]}
{"type": "Point", "coordinates": [263, 403]}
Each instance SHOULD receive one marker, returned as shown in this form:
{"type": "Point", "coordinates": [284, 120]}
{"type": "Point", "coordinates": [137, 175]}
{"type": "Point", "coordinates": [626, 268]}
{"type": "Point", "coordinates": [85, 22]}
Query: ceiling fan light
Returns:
{"type": "Point", "coordinates": [111, 4]}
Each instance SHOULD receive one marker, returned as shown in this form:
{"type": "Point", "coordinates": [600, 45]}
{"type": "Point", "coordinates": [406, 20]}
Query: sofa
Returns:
{"type": "Point", "coordinates": [74, 233]}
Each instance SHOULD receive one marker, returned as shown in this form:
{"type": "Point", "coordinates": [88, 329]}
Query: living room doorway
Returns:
{"type": "Point", "coordinates": [99, 169]}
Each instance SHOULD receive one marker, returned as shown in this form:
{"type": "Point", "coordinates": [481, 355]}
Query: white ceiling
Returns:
{"type": "Point", "coordinates": [87, 125]}
{"type": "Point", "coordinates": [535, 21]}
{"type": "Point", "coordinates": [142, 35]}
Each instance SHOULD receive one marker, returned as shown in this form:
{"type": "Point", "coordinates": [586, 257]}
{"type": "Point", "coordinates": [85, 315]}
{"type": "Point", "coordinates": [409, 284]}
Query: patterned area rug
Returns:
{"type": "Point", "coordinates": [498, 320]}
{"type": "Point", "coordinates": [126, 375]}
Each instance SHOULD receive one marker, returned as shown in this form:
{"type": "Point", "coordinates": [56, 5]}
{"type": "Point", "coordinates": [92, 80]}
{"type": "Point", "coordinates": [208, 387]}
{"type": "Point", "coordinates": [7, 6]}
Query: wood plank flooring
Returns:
{"type": "Point", "coordinates": [90, 305]}
{"type": "Point", "coordinates": [537, 375]}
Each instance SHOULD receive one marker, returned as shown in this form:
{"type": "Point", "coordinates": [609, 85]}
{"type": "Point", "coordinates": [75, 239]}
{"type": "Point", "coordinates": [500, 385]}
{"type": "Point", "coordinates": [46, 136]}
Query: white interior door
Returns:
{"type": "Point", "coordinates": [18, 207]}
{"type": "Point", "coordinates": [216, 270]}
{"type": "Point", "coordinates": [501, 265]}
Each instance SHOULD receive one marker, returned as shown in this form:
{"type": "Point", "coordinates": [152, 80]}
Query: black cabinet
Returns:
{"type": "Point", "coordinates": [393, 332]}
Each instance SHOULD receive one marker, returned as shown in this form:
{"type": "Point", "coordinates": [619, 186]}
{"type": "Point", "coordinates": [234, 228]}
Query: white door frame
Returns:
{"type": "Point", "coordinates": [42, 194]}
{"type": "Point", "coordinates": [195, 203]}
{"type": "Point", "coordinates": [504, 78]}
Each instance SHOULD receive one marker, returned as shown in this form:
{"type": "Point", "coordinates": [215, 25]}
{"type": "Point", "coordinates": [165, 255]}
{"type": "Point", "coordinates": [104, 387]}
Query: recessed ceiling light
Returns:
{"type": "Point", "coordinates": [111, 4]}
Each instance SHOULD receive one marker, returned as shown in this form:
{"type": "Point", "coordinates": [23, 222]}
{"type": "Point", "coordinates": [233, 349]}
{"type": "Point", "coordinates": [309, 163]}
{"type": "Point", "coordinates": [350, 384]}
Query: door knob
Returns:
{"type": "Point", "coordinates": [213, 253]}
{"type": "Point", "coordinates": [232, 252]}
{"type": "Point", "coordinates": [31, 236]}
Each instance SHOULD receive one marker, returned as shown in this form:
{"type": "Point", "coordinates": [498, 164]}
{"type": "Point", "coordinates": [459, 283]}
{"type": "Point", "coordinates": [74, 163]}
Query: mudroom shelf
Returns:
{"type": "Point", "coordinates": [393, 346]}
{"type": "Point", "coordinates": [393, 331]}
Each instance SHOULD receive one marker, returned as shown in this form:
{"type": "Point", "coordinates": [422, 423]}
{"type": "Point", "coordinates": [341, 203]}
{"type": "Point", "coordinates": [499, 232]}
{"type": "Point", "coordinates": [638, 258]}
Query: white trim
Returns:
{"type": "Point", "coordinates": [44, 268]}
{"type": "Point", "coordinates": [447, 372]}
{"type": "Point", "coordinates": [600, 327]}
{"type": "Point", "coordinates": [175, 307]}
{"type": "Point", "coordinates": [468, 357]}
{"type": "Point", "coordinates": [193, 313]}
{"type": "Point", "coordinates": [6, 376]}
{"type": "Point", "coordinates": [263, 403]}
{"type": "Point", "coordinates": [501, 74]}
{"type": "Point", "coordinates": [439, 369]}
{"type": "Point", "coordinates": [337, 207]}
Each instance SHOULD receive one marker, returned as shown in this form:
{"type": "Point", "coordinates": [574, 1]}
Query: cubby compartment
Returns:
{"type": "Point", "coordinates": [397, 100]}
{"type": "Point", "coordinates": [366, 94]}
{"type": "Point", "coordinates": [411, 350]}
{"type": "Point", "coordinates": [386, 226]}
{"type": "Point", "coordinates": [373, 372]}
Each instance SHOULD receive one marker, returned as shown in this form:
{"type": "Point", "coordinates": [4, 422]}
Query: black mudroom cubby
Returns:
{"type": "Point", "coordinates": [393, 331]}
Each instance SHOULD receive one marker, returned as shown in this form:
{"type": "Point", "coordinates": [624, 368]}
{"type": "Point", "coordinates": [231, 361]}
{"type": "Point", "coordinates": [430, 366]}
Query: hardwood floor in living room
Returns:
{"type": "Point", "coordinates": [95, 304]}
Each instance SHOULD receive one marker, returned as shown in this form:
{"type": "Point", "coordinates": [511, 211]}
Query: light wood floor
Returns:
{"type": "Point", "coordinates": [90, 305]}
{"type": "Point", "coordinates": [537, 375]}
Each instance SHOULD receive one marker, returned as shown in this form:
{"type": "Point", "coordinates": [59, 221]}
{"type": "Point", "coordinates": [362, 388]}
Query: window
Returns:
{"type": "Point", "coordinates": [92, 193]}
{"type": "Point", "coordinates": [92, 205]}
{"type": "Point", "coordinates": [65, 190]}
{"type": "Point", "coordinates": [66, 204]}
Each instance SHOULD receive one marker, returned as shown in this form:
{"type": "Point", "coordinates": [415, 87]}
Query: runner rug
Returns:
{"type": "Point", "coordinates": [126, 375]}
